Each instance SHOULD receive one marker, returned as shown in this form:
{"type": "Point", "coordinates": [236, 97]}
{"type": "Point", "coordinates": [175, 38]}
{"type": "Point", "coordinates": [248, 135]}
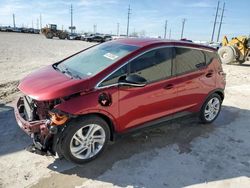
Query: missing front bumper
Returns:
{"type": "Point", "coordinates": [38, 130]}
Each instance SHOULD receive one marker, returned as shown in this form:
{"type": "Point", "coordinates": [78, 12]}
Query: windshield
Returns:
{"type": "Point", "coordinates": [96, 59]}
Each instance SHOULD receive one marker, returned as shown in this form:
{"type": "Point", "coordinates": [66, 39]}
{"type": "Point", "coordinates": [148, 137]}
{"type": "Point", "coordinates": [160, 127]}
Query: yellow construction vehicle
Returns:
{"type": "Point", "coordinates": [235, 50]}
{"type": "Point", "coordinates": [51, 31]}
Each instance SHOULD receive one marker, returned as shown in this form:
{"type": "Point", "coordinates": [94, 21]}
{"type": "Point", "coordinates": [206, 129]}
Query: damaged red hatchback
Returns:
{"type": "Point", "coordinates": [75, 106]}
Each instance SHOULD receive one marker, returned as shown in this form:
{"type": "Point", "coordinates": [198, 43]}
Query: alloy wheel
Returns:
{"type": "Point", "coordinates": [87, 141]}
{"type": "Point", "coordinates": [212, 109]}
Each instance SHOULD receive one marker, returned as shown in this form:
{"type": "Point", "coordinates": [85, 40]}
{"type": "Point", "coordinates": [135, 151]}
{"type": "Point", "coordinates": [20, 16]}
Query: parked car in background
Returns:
{"type": "Point", "coordinates": [84, 36]}
{"type": "Point", "coordinates": [19, 30]}
{"type": "Point", "coordinates": [24, 30]}
{"type": "Point", "coordinates": [107, 37]}
{"type": "Point", "coordinates": [9, 29]}
{"type": "Point", "coordinates": [215, 45]}
{"type": "Point", "coordinates": [73, 36]}
{"type": "Point", "coordinates": [37, 31]}
{"type": "Point", "coordinates": [4, 28]}
{"type": "Point", "coordinates": [95, 38]}
{"type": "Point", "coordinates": [186, 40]}
{"type": "Point", "coordinates": [116, 87]}
{"type": "Point", "coordinates": [119, 37]}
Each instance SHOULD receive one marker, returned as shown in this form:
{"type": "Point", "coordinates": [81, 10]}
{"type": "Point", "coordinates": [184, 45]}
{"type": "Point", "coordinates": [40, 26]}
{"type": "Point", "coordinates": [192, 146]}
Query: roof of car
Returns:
{"type": "Point", "coordinates": [149, 41]}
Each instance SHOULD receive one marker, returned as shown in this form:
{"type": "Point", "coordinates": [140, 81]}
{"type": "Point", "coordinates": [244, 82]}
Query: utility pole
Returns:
{"type": "Point", "coordinates": [165, 29]}
{"type": "Point", "coordinates": [94, 26]}
{"type": "Point", "coordinates": [41, 25]}
{"type": "Point", "coordinates": [221, 19]}
{"type": "Point", "coordinates": [215, 21]}
{"type": "Point", "coordinates": [14, 21]}
{"type": "Point", "coordinates": [71, 13]}
{"type": "Point", "coordinates": [170, 34]}
{"type": "Point", "coordinates": [32, 24]}
{"type": "Point", "coordinates": [37, 23]}
{"type": "Point", "coordinates": [128, 19]}
{"type": "Point", "coordinates": [118, 28]}
{"type": "Point", "coordinates": [183, 25]}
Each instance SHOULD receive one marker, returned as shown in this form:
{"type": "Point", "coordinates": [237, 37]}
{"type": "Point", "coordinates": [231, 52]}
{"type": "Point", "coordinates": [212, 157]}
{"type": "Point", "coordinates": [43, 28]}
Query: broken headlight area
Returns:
{"type": "Point", "coordinates": [41, 121]}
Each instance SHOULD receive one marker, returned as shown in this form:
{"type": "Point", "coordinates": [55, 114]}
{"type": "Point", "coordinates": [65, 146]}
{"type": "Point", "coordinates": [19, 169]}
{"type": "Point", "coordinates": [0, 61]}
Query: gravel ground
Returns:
{"type": "Point", "coordinates": [20, 54]}
{"type": "Point", "coordinates": [183, 153]}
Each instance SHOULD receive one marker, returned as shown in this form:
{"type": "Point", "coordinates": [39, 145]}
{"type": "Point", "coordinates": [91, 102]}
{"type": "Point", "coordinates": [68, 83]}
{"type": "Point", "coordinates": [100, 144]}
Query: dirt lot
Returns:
{"type": "Point", "coordinates": [181, 153]}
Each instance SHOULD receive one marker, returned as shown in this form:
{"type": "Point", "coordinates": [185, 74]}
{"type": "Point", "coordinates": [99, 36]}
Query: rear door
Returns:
{"type": "Point", "coordinates": [195, 77]}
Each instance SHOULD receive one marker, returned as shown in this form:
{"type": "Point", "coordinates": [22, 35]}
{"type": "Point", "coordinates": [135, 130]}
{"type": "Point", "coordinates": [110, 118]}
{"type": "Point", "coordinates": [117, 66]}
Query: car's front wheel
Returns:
{"type": "Point", "coordinates": [85, 139]}
{"type": "Point", "coordinates": [211, 109]}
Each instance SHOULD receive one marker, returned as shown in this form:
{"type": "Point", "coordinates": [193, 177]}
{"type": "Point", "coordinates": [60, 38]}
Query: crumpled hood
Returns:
{"type": "Point", "coordinates": [48, 83]}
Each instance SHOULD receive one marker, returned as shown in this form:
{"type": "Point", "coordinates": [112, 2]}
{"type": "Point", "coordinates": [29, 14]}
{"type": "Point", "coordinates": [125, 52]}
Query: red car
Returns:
{"type": "Point", "coordinates": [75, 106]}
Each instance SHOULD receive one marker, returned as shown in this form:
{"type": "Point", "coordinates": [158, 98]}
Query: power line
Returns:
{"type": "Point", "coordinates": [183, 26]}
{"type": "Point", "coordinates": [215, 21]}
{"type": "Point", "coordinates": [165, 29]}
{"type": "Point", "coordinates": [221, 19]}
{"type": "Point", "coordinates": [128, 19]}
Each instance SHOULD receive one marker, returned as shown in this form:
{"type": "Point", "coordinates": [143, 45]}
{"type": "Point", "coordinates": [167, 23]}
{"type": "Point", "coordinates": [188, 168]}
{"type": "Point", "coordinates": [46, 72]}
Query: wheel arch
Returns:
{"type": "Point", "coordinates": [106, 118]}
{"type": "Point", "coordinates": [218, 91]}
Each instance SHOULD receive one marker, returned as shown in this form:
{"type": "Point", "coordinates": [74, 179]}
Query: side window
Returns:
{"type": "Point", "coordinates": [210, 56]}
{"type": "Point", "coordinates": [113, 78]}
{"type": "Point", "coordinates": [187, 60]}
{"type": "Point", "coordinates": [154, 65]}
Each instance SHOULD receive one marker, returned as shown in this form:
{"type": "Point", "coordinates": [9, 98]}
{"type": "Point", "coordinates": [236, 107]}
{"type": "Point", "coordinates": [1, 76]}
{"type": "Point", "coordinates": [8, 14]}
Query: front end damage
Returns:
{"type": "Point", "coordinates": [41, 121]}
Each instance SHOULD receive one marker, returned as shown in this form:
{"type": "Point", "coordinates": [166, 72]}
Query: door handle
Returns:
{"type": "Point", "coordinates": [169, 86]}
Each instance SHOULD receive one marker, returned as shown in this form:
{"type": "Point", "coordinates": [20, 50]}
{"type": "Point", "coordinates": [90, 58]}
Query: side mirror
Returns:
{"type": "Point", "coordinates": [133, 80]}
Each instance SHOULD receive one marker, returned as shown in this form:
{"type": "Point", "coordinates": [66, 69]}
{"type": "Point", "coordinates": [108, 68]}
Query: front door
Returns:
{"type": "Point", "coordinates": [138, 105]}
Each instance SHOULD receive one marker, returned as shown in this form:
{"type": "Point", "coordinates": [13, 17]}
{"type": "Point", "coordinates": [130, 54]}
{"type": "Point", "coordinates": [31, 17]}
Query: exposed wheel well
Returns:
{"type": "Point", "coordinates": [107, 119]}
{"type": "Point", "coordinates": [221, 94]}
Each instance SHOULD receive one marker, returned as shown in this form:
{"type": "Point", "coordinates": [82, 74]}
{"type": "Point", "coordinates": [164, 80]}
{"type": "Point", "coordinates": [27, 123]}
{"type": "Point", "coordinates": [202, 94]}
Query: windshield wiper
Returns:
{"type": "Point", "coordinates": [70, 74]}
{"type": "Point", "coordinates": [66, 71]}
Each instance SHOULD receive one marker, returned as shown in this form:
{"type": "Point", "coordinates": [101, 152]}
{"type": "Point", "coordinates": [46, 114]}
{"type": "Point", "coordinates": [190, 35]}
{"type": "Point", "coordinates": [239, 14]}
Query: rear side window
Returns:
{"type": "Point", "coordinates": [187, 60]}
{"type": "Point", "coordinates": [210, 56]}
{"type": "Point", "coordinates": [154, 65]}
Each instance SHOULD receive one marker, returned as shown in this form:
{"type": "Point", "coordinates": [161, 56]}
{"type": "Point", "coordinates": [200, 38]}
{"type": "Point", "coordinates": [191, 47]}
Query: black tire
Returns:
{"type": "Point", "coordinates": [205, 107]}
{"type": "Point", "coordinates": [62, 36]}
{"type": "Point", "coordinates": [226, 54]}
{"type": "Point", "coordinates": [76, 125]}
{"type": "Point", "coordinates": [49, 35]}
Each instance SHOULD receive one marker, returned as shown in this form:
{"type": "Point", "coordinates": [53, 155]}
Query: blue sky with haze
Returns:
{"type": "Point", "coordinates": [147, 15]}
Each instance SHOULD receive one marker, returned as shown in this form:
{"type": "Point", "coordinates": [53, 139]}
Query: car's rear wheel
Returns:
{"type": "Point", "coordinates": [85, 139]}
{"type": "Point", "coordinates": [211, 109]}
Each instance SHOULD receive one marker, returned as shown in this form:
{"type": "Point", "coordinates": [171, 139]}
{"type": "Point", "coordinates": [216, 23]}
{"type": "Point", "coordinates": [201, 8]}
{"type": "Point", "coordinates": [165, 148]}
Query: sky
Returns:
{"type": "Point", "coordinates": [147, 16]}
